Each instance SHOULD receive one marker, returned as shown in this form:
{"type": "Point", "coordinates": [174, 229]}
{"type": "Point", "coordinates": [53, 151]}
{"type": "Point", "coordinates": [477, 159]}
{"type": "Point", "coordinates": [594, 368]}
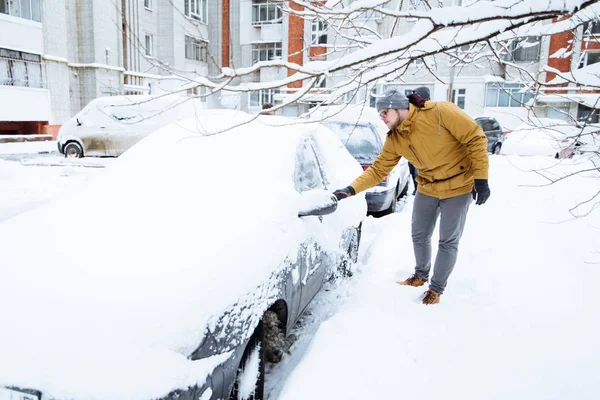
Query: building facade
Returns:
{"type": "Point", "coordinates": [58, 55]}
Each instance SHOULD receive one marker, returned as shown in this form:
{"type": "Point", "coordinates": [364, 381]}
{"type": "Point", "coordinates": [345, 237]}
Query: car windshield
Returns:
{"type": "Point", "coordinates": [360, 140]}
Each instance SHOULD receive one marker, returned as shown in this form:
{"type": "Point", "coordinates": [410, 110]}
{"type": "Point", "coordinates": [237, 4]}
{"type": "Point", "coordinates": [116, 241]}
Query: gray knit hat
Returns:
{"type": "Point", "coordinates": [423, 92]}
{"type": "Point", "coordinates": [393, 99]}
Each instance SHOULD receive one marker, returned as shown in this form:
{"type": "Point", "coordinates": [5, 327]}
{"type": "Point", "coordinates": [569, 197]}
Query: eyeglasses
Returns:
{"type": "Point", "coordinates": [383, 114]}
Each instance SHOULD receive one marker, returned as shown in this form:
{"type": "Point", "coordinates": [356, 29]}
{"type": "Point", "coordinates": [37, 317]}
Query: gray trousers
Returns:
{"type": "Point", "coordinates": [426, 211]}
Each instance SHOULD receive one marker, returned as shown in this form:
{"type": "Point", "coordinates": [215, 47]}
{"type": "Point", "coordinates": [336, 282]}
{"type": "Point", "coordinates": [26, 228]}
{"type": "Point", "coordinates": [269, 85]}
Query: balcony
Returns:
{"type": "Point", "coordinates": [266, 14]}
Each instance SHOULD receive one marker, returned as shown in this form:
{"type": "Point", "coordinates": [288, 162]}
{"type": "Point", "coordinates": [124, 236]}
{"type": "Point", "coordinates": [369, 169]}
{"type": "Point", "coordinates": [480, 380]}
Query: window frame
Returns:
{"type": "Point", "coordinates": [318, 32]}
{"type": "Point", "coordinates": [259, 97]}
{"type": "Point", "coordinates": [585, 58]}
{"type": "Point", "coordinates": [148, 5]}
{"type": "Point", "coordinates": [196, 10]}
{"type": "Point", "coordinates": [269, 6]}
{"type": "Point", "coordinates": [259, 49]}
{"type": "Point", "coordinates": [457, 96]}
{"type": "Point", "coordinates": [507, 92]}
{"type": "Point", "coordinates": [19, 67]}
{"type": "Point", "coordinates": [34, 7]}
{"type": "Point", "coordinates": [592, 28]}
{"type": "Point", "coordinates": [518, 53]}
{"type": "Point", "coordinates": [149, 44]}
{"type": "Point", "coordinates": [195, 49]}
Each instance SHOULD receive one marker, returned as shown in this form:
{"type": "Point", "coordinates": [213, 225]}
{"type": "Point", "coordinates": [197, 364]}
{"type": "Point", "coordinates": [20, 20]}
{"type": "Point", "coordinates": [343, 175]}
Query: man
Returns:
{"type": "Point", "coordinates": [450, 151]}
{"type": "Point", "coordinates": [423, 93]}
{"type": "Point", "coordinates": [268, 106]}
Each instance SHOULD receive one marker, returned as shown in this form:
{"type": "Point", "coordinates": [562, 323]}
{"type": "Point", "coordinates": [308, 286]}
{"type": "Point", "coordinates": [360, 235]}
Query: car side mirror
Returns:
{"type": "Point", "coordinates": [317, 203]}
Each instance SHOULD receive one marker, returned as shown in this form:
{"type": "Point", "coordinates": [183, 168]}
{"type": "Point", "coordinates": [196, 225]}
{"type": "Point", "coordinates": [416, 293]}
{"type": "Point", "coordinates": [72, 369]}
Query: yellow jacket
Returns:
{"type": "Point", "coordinates": [444, 144]}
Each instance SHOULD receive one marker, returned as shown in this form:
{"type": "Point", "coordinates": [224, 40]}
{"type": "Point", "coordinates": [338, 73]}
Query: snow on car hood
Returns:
{"type": "Point", "coordinates": [108, 291]}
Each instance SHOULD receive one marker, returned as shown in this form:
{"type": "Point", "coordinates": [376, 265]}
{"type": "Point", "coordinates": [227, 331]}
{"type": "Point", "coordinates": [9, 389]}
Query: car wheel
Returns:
{"type": "Point", "coordinates": [73, 150]}
{"type": "Point", "coordinates": [249, 381]}
{"type": "Point", "coordinates": [404, 191]}
{"type": "Point", "coordinates": [496, 149]}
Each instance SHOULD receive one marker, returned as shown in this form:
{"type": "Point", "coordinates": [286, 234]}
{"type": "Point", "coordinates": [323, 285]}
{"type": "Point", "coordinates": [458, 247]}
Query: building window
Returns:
{"type": "Point", "coordinates": [260, 97]}
{"type": "Point", "coordinates": [592, 28]}
{"type": "Point", "coordinates": [265, 12]}
{"type": "Point", "coordinates": [587, 114]}
{"type": "Point", "coordinates": [148, 44]}
{"type": "Point", "coordinates": [266, 51]}
{"type": "Point", "coordinates": [589, 58]}
{"type": "Point", "coordinates": [20, 69]}
{"type": "Point", "coordinates": [525, 50]}
{"type": "Point", "coordinates": [195, 49]}
{"type": "Point", "coordinates": [458, 97]}
{"type": "Point", "coordinates": [506, 95]}
{"type": "Point", "coordinates": [148, 4]}
{"type": "Point", "coordinates": [28, 9]}
{"type": "Point", "coordinates": [195, 9]}
{"type": "Point", "coordinates": [319, 32]}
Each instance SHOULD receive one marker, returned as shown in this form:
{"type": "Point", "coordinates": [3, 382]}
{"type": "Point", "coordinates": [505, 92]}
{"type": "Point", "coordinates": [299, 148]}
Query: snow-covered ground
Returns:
{"type": "Point", "coordinates": [519, 318]}
{"type": "Point", "coordinates": [33, 173]}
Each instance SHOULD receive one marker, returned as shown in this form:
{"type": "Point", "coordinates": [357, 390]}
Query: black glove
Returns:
{"type": "Point", "coordinates": [481, 191]}
{"type": "Point", "coordinates": [341, 194]}
{"type": "Point", "coordinates": [416, 100]}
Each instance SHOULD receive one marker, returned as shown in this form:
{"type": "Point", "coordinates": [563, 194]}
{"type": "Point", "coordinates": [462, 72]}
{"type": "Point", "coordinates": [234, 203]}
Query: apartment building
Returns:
{"type": "Point", "coordinates": [57, 55]}
{"type": "Point", "coordinates": [24, 96]}
{"type": "Point", "coordinates": [484, 87]}
{"type": "Point", "coordinates": [576, 52]}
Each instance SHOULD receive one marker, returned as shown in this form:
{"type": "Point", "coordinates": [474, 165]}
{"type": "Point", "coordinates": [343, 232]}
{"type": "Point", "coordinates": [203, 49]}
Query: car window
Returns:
{"type": "Point", "coordinates": [487, 125]}
{"type": "Point", "coordinates": [495, 125]}
{"type": "Point", "coordinates": [360, 140]}
{"type": "Point", "coordinates": [307, 174]}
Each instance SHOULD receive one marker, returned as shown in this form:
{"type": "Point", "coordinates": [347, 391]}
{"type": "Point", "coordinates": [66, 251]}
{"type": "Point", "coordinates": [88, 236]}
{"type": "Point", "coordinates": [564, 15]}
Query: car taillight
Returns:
{"type": "Point", "coordinates": [506, 132]}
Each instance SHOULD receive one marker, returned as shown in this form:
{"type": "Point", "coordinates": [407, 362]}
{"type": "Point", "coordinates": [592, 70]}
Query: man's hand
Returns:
{"type": "Point", "coordinates": [481, 191]}
{"type": "Point", "coordinates": [341, 194]}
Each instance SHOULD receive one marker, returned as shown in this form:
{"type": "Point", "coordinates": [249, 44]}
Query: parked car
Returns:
{"type": "Point", "coordinates": [108, 126]}
{"type": "Point", "coordinates": [494, 132]}
{"type": "Point", "coordinates": [178, 271]}
{"type": "Point", "coordinates": [363, 133]}
{"type": "Point", "coordinates": [556, 139]}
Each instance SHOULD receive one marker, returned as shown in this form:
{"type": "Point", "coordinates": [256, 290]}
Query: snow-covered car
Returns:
{"type": "Point", "coordinates": [494, 133]}
{"type": "Point", "coordinates": [555, 140]}
{"type": "Point", "coordinates": [108, 126]}
{"type": "Point", "coordinates": [363, 133]}
{"type": "Point", "coordinates": [157, 280]}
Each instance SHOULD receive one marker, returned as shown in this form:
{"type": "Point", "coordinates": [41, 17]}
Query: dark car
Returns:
{"type": "Point", "coordinates": [364, 142]}
{"type": "Point", "coordinates": [494, 132]}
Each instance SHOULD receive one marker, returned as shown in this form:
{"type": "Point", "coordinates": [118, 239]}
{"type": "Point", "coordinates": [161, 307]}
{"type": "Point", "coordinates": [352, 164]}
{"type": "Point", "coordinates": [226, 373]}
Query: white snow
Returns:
{"type": "Point", "coordinates": [127, 272]}
{"type": "Point", "coordinates": [519, 318]}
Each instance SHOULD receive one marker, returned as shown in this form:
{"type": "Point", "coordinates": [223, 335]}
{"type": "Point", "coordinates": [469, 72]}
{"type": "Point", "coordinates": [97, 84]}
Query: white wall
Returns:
{"type": "Point", "coordinates": [26, 104]}
{"type": "Point", "coordinates": [21, 34]}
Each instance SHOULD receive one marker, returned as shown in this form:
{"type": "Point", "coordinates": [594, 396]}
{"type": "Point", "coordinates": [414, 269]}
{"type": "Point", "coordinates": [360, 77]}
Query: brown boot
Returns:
{"type": "Point", "coordinates": [431, 297]}
{"type": "Point", "coordinates": [414, 280]}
